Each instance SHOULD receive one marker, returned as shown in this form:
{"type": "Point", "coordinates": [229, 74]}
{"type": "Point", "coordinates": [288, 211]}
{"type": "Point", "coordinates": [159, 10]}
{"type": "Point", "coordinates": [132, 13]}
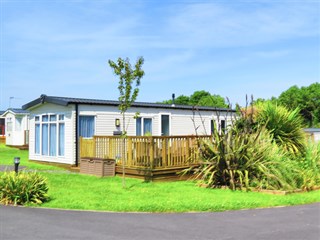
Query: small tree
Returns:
{"type": "Point", "coordinates": [127, 77]}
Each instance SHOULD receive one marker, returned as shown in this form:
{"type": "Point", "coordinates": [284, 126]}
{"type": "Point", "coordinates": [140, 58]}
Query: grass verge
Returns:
{"type": "Point", "coordinates": [74, 191]}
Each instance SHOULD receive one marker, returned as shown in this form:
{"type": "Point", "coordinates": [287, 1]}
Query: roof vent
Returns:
{"type": "Point", "coordinates": [43, 98]}
{"type": "Point", "coordinates": [173, 99]}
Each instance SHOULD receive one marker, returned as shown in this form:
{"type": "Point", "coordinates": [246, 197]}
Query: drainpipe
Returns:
{"type": "Point", "coordinates": [77, 134]}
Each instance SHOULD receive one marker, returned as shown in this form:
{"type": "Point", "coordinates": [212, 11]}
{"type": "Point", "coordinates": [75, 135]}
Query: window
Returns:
{"type": "Point", "coordinates": [147, 126]}
{"type": "Point", "coordinates": [49, 135]}
{"type": "Point", "coordinates": [138, 126]}
{"type": "Point", "coordinates": [53, 118]}
{"type": "Point", "coordinates": [223, 125]}
{"type": "Point", "coordinates": [143, 126]}
{"type": "Point", "coordinates": [37, 139]}
{"type": "Point", "coordinates": [212, 123]}
{"type": "Point", "coordinates": [61, 139]}
{"type": "Point", "coordinates": [18, 123]}
{"type": "Point", "coordinates": [53, 139]}
{"type": "Point", "coordinates": [86, 126]}
{"type": "Point", "coordinates": [165, 125]}
{"type": "Point", "coordinates": [45, 140]}
{"type": "Point", "coordinates": [9, 124]}
{"type": "Point", "coordinates": [61, 135]}
{"type": "Point", "coordinates": [45, 118]}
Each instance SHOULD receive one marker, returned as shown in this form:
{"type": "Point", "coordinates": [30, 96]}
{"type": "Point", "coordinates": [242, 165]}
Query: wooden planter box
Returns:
{"type": "Point", "coordinates": [100, 167]}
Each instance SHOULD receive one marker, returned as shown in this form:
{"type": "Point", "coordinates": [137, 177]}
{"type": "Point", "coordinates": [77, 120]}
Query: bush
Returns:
{"type": "Point", "coordinates": [309, 166]}
{"type": "Point", "coordinates": [23, 188]}
{"type": "Point", "coordinates": [240, 160]}
{"type": "Point", "coordinates": [285, 126]}
{"type": "Point", "coordinates": [264, 148]}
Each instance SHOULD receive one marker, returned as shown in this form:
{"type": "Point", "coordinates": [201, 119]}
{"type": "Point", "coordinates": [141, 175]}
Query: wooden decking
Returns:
{"type": "Point", "coordinates": [146, 157]}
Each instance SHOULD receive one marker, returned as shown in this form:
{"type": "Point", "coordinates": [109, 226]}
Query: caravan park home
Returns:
{"type": "Point", "coordinates": [58, 123]}
{"type": "Point", "coordinates": [16, 127]}
{"type": "Point", "coordinates": [2, 124]}
{"type": "Point", "coordinates": [2, 127]}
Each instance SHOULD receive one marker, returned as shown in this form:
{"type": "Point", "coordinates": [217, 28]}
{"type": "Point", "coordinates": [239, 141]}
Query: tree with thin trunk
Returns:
{"type": "Point", "coordinates": [127, 78]}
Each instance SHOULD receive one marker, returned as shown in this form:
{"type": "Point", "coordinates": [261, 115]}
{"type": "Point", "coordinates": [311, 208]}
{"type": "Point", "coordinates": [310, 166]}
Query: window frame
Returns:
{"type": "Point", "coordinates": [142, 125]}
{"type": "Point", "coordinates": [50, 122]}
{"type": "Point", "coordinates": [94, 125]}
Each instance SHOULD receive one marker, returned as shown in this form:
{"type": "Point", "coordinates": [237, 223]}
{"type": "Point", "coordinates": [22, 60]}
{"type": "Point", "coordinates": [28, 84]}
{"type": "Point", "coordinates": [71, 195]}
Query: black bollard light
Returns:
{"type": "Point", "coordinates": [16, 164]}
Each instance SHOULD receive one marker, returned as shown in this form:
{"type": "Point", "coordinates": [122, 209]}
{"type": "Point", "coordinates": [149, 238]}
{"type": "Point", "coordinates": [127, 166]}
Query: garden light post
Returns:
{"type": "Point", "coordinates": [16, 164]}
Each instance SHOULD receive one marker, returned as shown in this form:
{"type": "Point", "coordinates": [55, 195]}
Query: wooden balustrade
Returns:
{"type": "Point", "coordinates": [146, 152]}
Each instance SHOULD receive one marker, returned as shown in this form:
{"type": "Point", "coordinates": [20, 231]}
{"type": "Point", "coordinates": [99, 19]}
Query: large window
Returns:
{"type": "Point", "coordinates": [143, 126]}
{"type": "Point", "coordinates": [86, 126]}
{"type": "Point", "coordinates": [49, 135]}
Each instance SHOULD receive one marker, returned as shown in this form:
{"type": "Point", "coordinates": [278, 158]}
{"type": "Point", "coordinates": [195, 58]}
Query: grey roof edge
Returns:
{"type": "Point", "coordinates": [44, 98]}
{"type": "Point", "coordinates": [311, 130]}
{"type": "Point", "coordinates": [16, 111]}
{"type": "Point", "coordinates": [64, 101]}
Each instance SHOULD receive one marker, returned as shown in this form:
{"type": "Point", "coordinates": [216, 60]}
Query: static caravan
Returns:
{"type": "Point", "coordinates": [313, 134]}
{"type": "Point", "coordinates": [17, 127]}
{"type": "Point", "coordinates": [2, 127]}
{"type": "Point", "coordinates": [2, 124]}
{"type": "Point", "coordinates": [57, 123]}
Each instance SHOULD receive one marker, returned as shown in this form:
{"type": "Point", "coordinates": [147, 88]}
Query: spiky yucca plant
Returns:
{"type": "Point", "coordinates": [285, 126]}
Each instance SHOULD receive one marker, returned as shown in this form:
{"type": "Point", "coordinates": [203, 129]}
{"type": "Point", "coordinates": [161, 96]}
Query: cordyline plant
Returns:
{"type": "Point", "coordinates": [127, 77]}
{"type": "Point", "coordinates": [245, 155]}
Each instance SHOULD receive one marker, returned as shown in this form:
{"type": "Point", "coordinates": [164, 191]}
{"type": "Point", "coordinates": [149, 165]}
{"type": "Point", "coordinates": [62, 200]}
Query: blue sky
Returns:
{"type": "Point", "coordinates": [230, 48]}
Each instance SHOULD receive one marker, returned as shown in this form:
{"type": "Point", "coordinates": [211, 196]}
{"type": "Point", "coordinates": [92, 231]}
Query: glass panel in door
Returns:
{"type": "Point", "coordinates": [165, 129]}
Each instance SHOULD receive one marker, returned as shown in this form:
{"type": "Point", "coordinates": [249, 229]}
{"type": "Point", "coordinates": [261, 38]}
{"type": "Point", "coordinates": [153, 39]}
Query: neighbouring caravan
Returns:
{"type": "Point", "coordinates": [16, 127]}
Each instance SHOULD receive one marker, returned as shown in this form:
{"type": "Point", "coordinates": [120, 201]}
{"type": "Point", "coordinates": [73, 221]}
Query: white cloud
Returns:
{"type": "Point", "coordinates": [231, 25]}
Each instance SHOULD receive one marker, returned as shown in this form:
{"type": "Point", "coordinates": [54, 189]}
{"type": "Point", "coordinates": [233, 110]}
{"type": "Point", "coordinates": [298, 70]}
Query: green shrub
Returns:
{"type": "Point", "coordinates": [309, 167]}
{"type": "Point", "coordinates": [23, 188]}
{"type": "Point", "coordinates": [264, 148]}
{"type": "Point", "coordinates": [240, 160]}
{"type": "Point", "coordinates": [285, 126]}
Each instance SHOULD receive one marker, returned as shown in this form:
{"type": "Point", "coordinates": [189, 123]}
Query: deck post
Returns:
{"type": "Point", "coordinates": [187, 149]}
{"type": "Point", "coordinates": [110, 144]}
{"type": "Point", "coordinates": [94, 143]}
{"type": "Point", "coordinates": [129, 147]}
{"type": "Point", "coordinates": [164, 151]}
{"type": "Point", "coordinates": [151, 149]}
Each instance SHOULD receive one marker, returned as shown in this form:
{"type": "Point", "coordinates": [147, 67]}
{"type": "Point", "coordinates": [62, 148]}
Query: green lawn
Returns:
{"type": "Point", "coordinates": [75, 191]}
{"type": "Point", "coordinates": [7, 155]}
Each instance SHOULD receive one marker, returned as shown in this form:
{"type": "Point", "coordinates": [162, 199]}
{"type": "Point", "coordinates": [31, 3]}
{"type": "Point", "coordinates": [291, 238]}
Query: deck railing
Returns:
{"type": "Point", "coordinates": [150, 152]}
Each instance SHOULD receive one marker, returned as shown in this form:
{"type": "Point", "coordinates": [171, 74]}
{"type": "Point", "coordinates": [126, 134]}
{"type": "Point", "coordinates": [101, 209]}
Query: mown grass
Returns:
{"type": "Point", "coordinates": [74, 191]}
{"type": "Point", "coordinates": [7, 155]}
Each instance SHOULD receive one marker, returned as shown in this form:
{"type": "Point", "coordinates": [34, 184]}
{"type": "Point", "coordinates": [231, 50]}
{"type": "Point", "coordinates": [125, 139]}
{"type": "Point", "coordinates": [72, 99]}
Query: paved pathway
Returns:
{"type": "Point", "coordinates": [292, 223]}
{"type": "Point", "coordinates": [4, 168]}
